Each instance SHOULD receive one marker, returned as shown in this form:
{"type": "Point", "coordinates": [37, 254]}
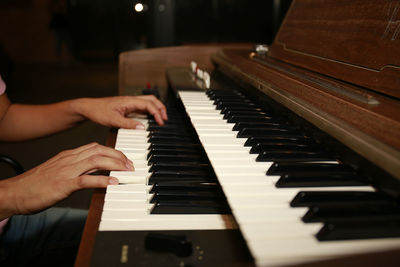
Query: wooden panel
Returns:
{"type": "Point", "coordinates": [139, 67]}
{"type": "Point", "coordinates": [89, 232]}
{"type": "Point", "coordinates": [356, 41]}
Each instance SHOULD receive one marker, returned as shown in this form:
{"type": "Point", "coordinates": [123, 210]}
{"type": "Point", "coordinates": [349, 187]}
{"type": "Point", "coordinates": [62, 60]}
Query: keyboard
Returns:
{"type": "Point", "coordinates": [294, 202]}
{"type": "Point", "coordinates": [233, 163]}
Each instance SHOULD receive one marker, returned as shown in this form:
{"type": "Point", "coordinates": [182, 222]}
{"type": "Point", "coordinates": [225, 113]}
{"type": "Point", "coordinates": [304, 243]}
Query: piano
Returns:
{"type": "Point", "coordinates": [279, 155]}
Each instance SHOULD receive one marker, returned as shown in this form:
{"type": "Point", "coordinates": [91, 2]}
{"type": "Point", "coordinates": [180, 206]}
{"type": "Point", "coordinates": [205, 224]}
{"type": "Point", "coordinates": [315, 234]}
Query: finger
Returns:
{"type": "Point", "coordinates": [164, 114]}
{"type": "Point", "coordinates": [92, 181]}
{"type": "Point", "coordinates": [152, 109]}
{"type": "Point", "coordinates": [154, 100]}
{"type": "Point", "coordinates": [93, 152]}
{"type": "Point", "coordinates": [98, 162]}
{"type": "Point", "coordinates": [160, 106]}
{"type": "Point", "coordinates": [129, 123]}
{"type": "Point", "coordinates": [70, 152]}
{"type": "Point", "coordinates": [98, 149]}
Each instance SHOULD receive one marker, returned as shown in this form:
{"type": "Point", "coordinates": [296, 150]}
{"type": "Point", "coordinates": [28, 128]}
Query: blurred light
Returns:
{"type": "Point", "coordinates": [139, 7]}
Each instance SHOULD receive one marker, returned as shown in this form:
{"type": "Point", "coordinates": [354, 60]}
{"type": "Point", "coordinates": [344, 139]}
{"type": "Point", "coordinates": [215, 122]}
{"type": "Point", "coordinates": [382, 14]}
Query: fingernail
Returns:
{"type": "Point", "coordinates": [139, 127]}
{"type": "Point", "coordinates": [113, 181]}
{"type": "Point", "coordinates": [129, 165]}
{"type": "Point", "coordinates": [164, 113]}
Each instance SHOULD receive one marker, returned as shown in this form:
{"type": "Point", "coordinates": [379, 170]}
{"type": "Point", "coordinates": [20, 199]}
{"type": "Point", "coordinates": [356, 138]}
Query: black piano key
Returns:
{"type": "Point", "coordinates": [323, 198]}
{"type": "Point", "coordinates": [293, 156]}
{"type": "Point", "coordinates": [166, 158]}
{"type": "Point", "coordinates": [178, 195]}
{"type": "Point", "coordinates": [165, 177]}
{"type": "Point", "coordinates": [318, 180]}
{"type": "Point", "coordinates": [266, 131]}
{"type": "Point", "coordinates": [216, 93]}
{"type": "Point", "coordinates": [165, 127]}
{"type": "Point", "coordinates": [251, 141]}
{"type": "Point", "coordinates": [241, 125]}
{"type": "Point", "coordinates": [172, 139]}
{"type": "Point", "coordinates": [347, 213]}
{"type": "Point", "coordinates": [278, 168]}
{"type": "Point", "coordinates": [170, 131]}
{"type": "Point", "coordinates": [190, 207]}
{"type": "Point", "coordinates": [168, 145]}
{"type": "Point", "coordinates": [235, 105]}
{"type": "Point", "coordinates": [231, 100]}
{"type": "Point", "coordinates": [259, 148]}
{"type": "Point", "coordinates": [231, 113]}
{"type": "Point", "coordinates": [184, 185]}
{"type": "Point", "coordinates": [229, 97]}
{"type": "Point", "coordinates": [174, 167]}
{"type": "Point", "coordinates": [229, 109]}
{"type": "Point", "coordinates": [359, 230]}
{"type": "Point", "coordinates": [249, 118]}
{"type": "Point", "coordinates": [185, 135]}
{"type": "Point", "coordinates": [170, 121]}
{"type": "Point", "coordinates": [174, 152]}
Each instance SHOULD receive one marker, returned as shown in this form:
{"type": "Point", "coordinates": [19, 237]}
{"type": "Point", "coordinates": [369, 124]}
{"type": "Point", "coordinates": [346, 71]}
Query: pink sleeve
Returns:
{"type": "Point", "coordinates": [2, 86]}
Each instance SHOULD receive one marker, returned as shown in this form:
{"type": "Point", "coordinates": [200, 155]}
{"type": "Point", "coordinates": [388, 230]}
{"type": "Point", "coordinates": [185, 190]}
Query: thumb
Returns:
{"type": "Point", "coordinates": [128, 123]}
{"type": "Point", "coordinates": [94, 181]}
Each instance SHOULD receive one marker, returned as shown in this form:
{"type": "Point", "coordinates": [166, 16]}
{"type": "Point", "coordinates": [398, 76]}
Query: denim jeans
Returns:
{"type": "Point", "coordinates": [48, 238]}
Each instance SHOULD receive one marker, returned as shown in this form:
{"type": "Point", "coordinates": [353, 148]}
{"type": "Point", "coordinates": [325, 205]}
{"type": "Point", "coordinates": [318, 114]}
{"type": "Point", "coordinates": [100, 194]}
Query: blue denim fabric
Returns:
{"type": "Point", "coordinates": [48, 238]}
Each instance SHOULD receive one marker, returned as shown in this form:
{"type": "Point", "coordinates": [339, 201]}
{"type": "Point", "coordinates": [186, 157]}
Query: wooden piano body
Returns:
{"type": "Point", "coordinates": [335, 63]}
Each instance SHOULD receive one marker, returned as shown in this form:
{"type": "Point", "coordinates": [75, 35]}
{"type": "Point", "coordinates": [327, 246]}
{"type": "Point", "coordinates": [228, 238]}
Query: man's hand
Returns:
{"type": "Point", "coordinates": [112, 111]}
{"type": "Point", "coordinates": [57, 178]}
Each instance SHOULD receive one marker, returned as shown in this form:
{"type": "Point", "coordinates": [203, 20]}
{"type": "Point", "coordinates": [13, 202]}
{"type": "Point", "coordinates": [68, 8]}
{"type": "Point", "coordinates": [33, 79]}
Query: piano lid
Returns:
{"type": "Point", "coordinates": [355, 41]}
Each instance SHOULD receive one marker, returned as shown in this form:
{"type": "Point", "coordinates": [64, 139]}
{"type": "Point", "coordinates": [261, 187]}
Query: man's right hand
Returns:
{"type": "Point", "coordinates": [55, 179]}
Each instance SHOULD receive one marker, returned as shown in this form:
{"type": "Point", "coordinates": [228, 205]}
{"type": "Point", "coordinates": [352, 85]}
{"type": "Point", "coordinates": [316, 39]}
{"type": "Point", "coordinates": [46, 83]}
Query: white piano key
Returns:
{"type": "Point", "coordinates": [129, 188]}
{"type": "Point", "coordinates": [221, 149]}
{"type": "Point", "coordinates": [131, 132]}
{"type": "Point", "coordinates": [206, 126]}
{"type": "Point", "coordinates": [208, 122]}
{"type": "Point", "coordinates": [215, 112]}
{"type": "Point", "coordinates": [231, 169]}
{"type": "Point", "coordinates": [131, 143]}
{"type": "Point", "coordinates": [200, 107]}
{"type": "Point", "coordinates": [132, 180]}
{"type": "Point", "coordinates": [211, 140]}
{"type": "Point", "coordinates": [135, 156]}
{"type": "Point", "coordinates": [136, 177]}
{"type": "Point", "coordinates": [115, 196]}
{"type": "Point", "coordinates": [205, 117]}
{"type": "Point", "coordinates": [137, 216]}
{"type": "Point", "coordinates": [142, 206]}
{"type": "Point", "coordinates": [263, 229]}
{"type": "Point", "coordinates": [133, 147]}
{"type": "Point", "coordinates": [208, 222]}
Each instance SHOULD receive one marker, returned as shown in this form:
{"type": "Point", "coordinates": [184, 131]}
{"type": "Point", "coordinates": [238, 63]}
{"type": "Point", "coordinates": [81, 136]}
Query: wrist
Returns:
{"type": "Point", "coordinates": [79, 108]}
{"type": "Point", "coordinates": [7, 200]}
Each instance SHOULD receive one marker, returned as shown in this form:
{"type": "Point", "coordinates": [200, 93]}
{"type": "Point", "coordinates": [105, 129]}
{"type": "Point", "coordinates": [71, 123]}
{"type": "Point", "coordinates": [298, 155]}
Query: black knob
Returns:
{"type": "Point", "coordinates": [176, 244]}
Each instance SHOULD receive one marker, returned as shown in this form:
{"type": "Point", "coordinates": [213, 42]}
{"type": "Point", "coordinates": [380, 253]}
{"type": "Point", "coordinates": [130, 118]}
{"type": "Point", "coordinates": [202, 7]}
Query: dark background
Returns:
{"type": "Point", "coordinates": [51, 50]}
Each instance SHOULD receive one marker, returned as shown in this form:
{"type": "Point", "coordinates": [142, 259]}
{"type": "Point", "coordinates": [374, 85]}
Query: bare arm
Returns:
{"type": "Point", "coordinates": [22, 122]}
{"type": "Point", "coordinates": [57, 178]}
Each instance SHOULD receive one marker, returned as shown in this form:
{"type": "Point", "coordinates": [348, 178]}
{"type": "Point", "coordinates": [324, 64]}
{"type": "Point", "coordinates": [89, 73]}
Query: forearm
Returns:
{"type": "Point", "coordinates": [6, 200]}
{"type": "Point", "coordinates": [22, 122]}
